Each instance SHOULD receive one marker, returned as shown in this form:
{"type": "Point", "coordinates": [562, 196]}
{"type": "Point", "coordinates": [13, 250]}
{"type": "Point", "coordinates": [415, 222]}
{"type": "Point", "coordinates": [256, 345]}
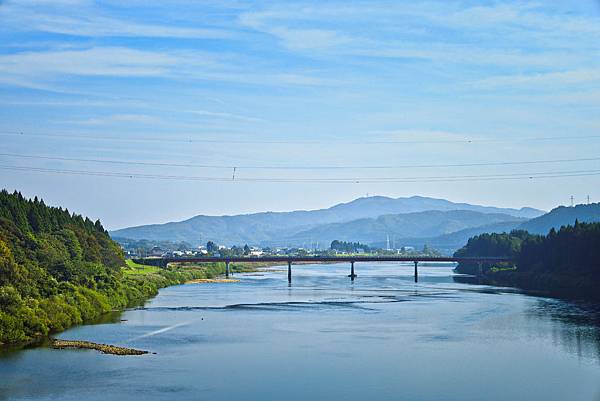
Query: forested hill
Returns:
{"type": "Point", "coordinates": [54, 237]}
{"type": "Point", "coordinates": [58, 269]}
{"type": "Point", "coordinates": [564, 262]}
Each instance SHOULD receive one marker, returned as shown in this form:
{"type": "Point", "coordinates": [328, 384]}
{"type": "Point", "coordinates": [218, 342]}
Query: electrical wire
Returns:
{"type": "Point", "coordinates": [295, 142]}
{"type": "Point", "coordinates": [345, 180]}
{"type": "Point", "coordinates": [306, 167]}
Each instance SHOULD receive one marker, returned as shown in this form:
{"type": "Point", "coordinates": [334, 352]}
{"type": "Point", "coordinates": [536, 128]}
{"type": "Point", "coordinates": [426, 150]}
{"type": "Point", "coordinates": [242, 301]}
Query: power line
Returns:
{"type": "Point", "coordinates": [305, 167]}
{"type": "Point", "coordinates": [285, 142]}
{"type": "Point", "coordinates": [346, 180]}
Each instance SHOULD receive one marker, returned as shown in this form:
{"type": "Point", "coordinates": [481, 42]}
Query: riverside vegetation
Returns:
{"type": "Point", "coordinates": [59, 269]}
{"type": "Point", "coordinates": [564, 263]}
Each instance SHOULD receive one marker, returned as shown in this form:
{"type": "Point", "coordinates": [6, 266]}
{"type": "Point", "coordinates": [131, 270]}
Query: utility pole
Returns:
{"type": "Point", "coordinates": [588, 198]}
{"type": "Point", "coordinates": [572, 203]}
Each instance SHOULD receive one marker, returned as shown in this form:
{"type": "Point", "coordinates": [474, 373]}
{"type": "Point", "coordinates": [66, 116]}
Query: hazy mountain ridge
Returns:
{"type": "Point", "coordinates": [448, 243]}
{"type": "Point", "coordinates": [562, 216]}
{"type": "Point", "coordinates": [266, 227]}
{"type": "Point", "coordinates": [399, 227]}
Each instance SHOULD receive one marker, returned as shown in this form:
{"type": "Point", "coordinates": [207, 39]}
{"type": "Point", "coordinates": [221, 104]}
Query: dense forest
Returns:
{"type": "Point", "coordinates": [58, 269]}
{"type": "Point", "coordinates": [564, 262]}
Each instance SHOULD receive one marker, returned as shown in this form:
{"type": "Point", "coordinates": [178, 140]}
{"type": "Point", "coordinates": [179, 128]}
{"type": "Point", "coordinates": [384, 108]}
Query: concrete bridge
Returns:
{"type": "Point", "coordinates": [326, 259]}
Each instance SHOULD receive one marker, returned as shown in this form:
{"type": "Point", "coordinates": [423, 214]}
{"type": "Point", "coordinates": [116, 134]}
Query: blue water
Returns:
{"type": "Point", "coordinates": [382, 337]}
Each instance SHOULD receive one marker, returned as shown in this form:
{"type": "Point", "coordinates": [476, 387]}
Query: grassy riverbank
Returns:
{"type": "Point", "coordinates": [59, 269]}
{"type": "Point", "coordinates": [32, 319]}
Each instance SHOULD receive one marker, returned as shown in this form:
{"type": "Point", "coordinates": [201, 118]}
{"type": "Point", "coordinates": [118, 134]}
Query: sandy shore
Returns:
{"type": "Point", "coordinates": [104, 348]}
{"type": "Point", "coordinates": [213, 280]}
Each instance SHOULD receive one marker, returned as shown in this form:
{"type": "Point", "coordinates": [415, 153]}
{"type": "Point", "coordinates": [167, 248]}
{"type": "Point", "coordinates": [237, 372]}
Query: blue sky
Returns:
{"type": "Point", "coordinates": [252, 83]}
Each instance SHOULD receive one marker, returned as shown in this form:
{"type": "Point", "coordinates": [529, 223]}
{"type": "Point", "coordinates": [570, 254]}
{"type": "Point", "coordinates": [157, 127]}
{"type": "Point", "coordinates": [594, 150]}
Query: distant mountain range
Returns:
{"type": "Point", "coordinates": [562, 216]}
{"type": "Point", "coordinates": [448, 243]}
{"type": "Point", "coordinates": [399, 227]}
{"type": "Point", "coordinates": [368, 220]}
{"type": "Point", "coordinates": [556, 218]}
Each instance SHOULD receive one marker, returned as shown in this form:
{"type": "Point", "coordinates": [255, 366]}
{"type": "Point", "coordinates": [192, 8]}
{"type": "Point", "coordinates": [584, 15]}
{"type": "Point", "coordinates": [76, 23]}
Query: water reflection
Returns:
{"type": "Point", "coordinates": [575, 326]}
{"type": "Point", "coordinates": [572, 325]}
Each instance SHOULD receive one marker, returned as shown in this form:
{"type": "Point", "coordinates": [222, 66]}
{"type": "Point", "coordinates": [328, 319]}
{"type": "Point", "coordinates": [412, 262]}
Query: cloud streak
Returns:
{"type": "Point", "coordinates": [83, 18]}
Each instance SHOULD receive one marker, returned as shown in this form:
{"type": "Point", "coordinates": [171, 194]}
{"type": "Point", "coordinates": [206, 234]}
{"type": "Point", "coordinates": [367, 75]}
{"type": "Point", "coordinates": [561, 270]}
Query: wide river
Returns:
{"type": "Point", "coordinates": [382, 337]}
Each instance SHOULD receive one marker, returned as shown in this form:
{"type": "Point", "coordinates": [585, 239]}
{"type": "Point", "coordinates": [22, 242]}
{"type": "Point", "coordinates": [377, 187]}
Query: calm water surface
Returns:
{"type": "Point", "coordinates": [381, 338]}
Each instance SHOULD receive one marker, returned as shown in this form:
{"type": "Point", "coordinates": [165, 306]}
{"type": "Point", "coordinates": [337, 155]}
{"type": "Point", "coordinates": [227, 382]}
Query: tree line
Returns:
{"type": "Point", "coordinates": [349, 247]}
{"type": "Point", "coordinates": [565, 260]}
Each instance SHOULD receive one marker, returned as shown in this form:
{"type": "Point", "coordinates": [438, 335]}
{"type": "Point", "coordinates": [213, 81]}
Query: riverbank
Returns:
{"type": "Point", "coordinates": [581, 287]}
{"type": "Point", "coordinates": [78, 305]}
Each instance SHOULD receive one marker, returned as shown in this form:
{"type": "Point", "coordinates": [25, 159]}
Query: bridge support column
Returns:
{"type": "Point", "coordinates": [352, 275]}
{"type": "Point", "coordinates": [289, 272]}
{"type": "Point", "coordinates": [226, 269]}
{"type": "Point", "coordinates": [416, 272]}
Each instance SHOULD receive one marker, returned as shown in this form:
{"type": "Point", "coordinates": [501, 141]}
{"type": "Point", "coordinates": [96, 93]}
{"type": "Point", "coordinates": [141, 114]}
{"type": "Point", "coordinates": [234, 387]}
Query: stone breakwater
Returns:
{"type": "Point", "coordinates": [104, 348]}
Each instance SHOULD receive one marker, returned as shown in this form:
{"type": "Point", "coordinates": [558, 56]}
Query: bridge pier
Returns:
{"type": "Point", "coordinates": [352, 275]}
{"type": "Point", "coordinates": [289, 272]}
{"type": "Point", "coordinates": [226, 269]}
{"type": "Point", "coordinates": [416, 272]}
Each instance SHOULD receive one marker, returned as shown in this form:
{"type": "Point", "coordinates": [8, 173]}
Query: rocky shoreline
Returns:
{"type": "Point", "coordinates": [104, 348]}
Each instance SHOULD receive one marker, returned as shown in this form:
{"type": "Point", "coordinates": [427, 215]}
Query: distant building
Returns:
{"type": "Point", "coordinates": [157, 251]}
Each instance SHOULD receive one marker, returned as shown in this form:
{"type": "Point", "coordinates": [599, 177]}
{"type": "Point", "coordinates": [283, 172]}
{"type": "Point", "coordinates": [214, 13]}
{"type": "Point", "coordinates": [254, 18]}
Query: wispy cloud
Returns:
{"type": "Point", "coordinates": [499, 34]}
{"type": "Point", "coordinates": [226, 116]}
{"type": "Point", "coordinates": [105, 61]}
{"type": "Point", "coordinates": [83, 18]}
{"type": "Point", "coordinates": [116, 118]}
{"type": "Point", "coordinates": [549, 79]}
{"type": "Point", "coordinates": [44, 69]}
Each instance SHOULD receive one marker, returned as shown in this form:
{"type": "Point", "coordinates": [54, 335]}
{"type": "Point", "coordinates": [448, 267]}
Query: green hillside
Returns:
{"type": "Point", "coordinates": [59, 269]}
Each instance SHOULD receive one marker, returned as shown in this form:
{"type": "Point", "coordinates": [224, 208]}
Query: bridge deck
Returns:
{"type": "Point", "coordinates": [321, 259]}
{"type": "Point", "coordinates": [341, 259]}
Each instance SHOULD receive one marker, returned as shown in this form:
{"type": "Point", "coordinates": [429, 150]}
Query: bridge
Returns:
{"type": "Point", "coordinates": [480, 261]}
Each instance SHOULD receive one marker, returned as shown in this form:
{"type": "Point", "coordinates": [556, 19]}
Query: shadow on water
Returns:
{"type": "Point", "coordinates": [573, 325]}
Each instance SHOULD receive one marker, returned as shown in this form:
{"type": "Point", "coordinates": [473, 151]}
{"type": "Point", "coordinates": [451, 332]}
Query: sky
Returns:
{"type": "Point", "coordinates": [137, 113]}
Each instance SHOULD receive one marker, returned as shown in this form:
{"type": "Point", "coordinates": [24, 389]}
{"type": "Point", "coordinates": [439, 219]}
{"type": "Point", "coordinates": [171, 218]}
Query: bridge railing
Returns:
{"type": "Point", "coordinates": [289, 260]}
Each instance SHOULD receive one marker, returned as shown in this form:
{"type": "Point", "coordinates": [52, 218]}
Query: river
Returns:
{"type": "Point", "coordinates": [382, 337]}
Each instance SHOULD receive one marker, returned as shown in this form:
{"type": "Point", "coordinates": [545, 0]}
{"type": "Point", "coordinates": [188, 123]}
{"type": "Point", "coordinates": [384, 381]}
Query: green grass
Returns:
{"type": "Point", "coordinates": [503, 269]}
{"type": "Point", "coordinates": [136, 269]}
